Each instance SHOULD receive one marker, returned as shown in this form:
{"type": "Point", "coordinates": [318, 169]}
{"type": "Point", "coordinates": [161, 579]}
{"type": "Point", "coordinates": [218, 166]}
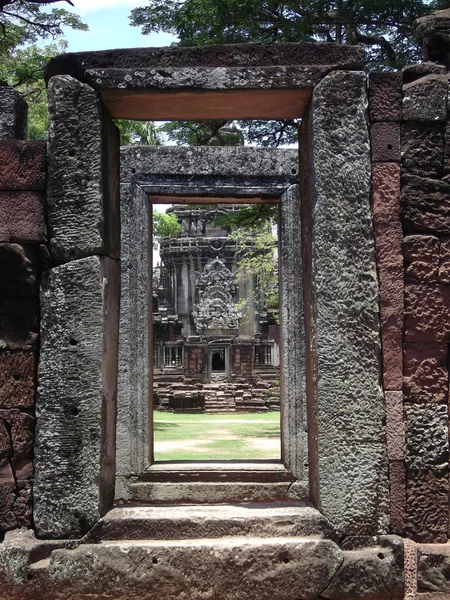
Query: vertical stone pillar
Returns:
{"type": "Point", "coordinates": [294, 442]}
{"type": "Point", "coordinates": [13, 115]}
{"type": "Point", "coordinates": [133, 376]}
{"type": "Point", "coordinates": [77, 373]}
{"type": "Point", "coordinates": [348, 468]}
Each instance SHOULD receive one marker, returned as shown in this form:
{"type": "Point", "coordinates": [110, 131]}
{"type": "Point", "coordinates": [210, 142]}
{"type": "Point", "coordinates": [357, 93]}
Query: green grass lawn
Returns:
{"type": "Point", "coordinates": [242, 436]}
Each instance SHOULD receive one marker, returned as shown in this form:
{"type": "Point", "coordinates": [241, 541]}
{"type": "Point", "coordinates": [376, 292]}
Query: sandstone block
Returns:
{"type": "Point", "coordinates": [76, 402]}
{"type": "Point", "coordinates": [385, 142]}
{"type": "Point", "coordinates": [17, 379]}
{"type": "Point", "coordinates": [397, 496]}
{"type": "Point", "coordinates": [427, 506]}
{"type": "Point", "coordinates": [83, 187]}
{"type": "Point", "coordinates": [392, 345]}
{"type": "Point", "coordinates": [433, 33]}
{"type": "Point", "coordinates": [22, 431]}
{"type": "Point", "coordinates": [427, 313]}
{"type": "Point", "coordinates": [394, 425]}
{"type": "Point", "coordinates": [23, 509]}
{"type": "Point", "coordinates": [446, 169]}
{"type": "Point", "coordinates": [421, 253]}
{"type": "Point", "coordinates": [375, 573]}
{"type": "Point", "coordinates": [22, 217]}
{"type": "Point", "coordinates": [426, 373]}
{"type": "Point", "coordinates": [7, 496]}
{"type": "Point", "coordinates": [423, 148]}
{"type": "Point", "coordinates": [444, 261]}
{"type": "Point", "coordinates": [425, 204]}
{"type": "Point", "coordinates": [386, 214]}
{"type": "Point", "coordinates": [426, 99]}
{"type": "Point", "coordinates": [5, 441]}
{"type": "Point", "coordinates": [426, 436]}
{"type": "Point", "coordinates": [434, 568]}
{"type": "Point", "coordinates": [14, 114]}
{"type": "Point", "coordinates": [349, 408]}
{"type": "Point", "coordinates": [418, 70]}
{"type": "Point", "coordinates": [22, 165]}
{"type": "Point", "coordinates": [385, 96]}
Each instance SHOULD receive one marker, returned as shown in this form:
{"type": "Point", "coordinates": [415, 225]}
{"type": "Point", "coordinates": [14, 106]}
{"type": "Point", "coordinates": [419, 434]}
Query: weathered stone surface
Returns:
{"type": "Point", "coordinates": [5, 441]}
{"type": "Point", "coordinates": [285, 568]}
{"type": "Point", "coordinates": [418, 70]}
{"type": "Point", "coordinates": [183, 522]}
{"type": "Point", "coordinates": [17, 379]}
{"type": "Point", "coordinates": [410, 573]}
{"type": "Point", "coordinates": [385, 142]}
{"type": "Point", "coordinates": [426, 373]}
{"type": "Point", "coordinates": [22, 165]}
{"type": "Point", "coordinates": [427, 312]}
{"type": "Point", "coordinates": [22, 431]}
{"type": "Point", "coordinates": [373, 573]}
{"type": "Point", "coordinates": [425, 204]}
{"type": "Point", "coordinates": [394, 425]}
{"type": "Point", "coordinates": [392, 344]}
{"type": "Point", "coordinates": [446, 169]}
{"type": "Point", "coordinates": [427, 506]}
{"type": "Point", "coordinates": [22, 217]}
{"type": "Point", "coordinates": [426, 431]}
{"type": "Point", "coordinates": [83, 195]}
{"type": "Point", "coordinates": [434, 568]}
{"type": "Point", "coordinates": [421, 253]}
{"type": "Point", "coordinates": [76, 403]}
{"type": "Point", "coordinates": [433, 33]}
{"type": "Point", "coordinates": [444, 261]}
{"type": "Point", "coordinates": [229, 55]}
{"type": "Point", "coordinates": [7, 496]}
{"type": "Point", "coordinates": [224, 162]}
{"type": "Point", "coordinates": [385, 96]}
{"type": "Point", "coordinates": [132, 385]}
{"type": "Point", "coordinates": [344, 364]}
{"type": "Point", "coordinates": [423, 149]}
{"type": "Point", "coordinates": [204, 78]}
{"type": "Point", "coordinates": [388, 240]}
{"type": "Point", "coordinates": [426, 99]}
{"type": "Point", "coordinates": [397, 496]}
{"type": "Point", "coordinates": [14, 112]}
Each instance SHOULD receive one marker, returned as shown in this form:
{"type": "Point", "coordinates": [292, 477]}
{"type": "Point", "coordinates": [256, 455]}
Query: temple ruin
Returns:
{"type": "Point", "coordinates": [358, 505]}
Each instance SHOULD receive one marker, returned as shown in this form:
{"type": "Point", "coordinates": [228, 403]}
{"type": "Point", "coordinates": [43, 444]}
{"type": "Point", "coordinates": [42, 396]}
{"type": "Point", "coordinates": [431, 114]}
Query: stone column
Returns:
{"type": "Point", "coordinates": [77, 373]}
{"type": "Point", "coordinates": [348, 468]}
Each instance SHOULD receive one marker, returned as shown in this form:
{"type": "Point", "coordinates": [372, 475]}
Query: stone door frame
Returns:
{"type": "Point", "coordinates": [346, 439]}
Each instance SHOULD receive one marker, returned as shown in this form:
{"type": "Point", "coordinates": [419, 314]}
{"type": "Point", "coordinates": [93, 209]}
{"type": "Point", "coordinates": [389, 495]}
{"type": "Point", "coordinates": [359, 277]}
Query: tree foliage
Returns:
{"type": "Point", "coordinates": [24, 21]}
{"type": "Point", "coordinates": [383, 27]}
{"type": "Point", "coordinates": [138, 132]}
{"type": "Point", "coordinates": [23, 68]}
{"type": "Point", "coordinates": [164, 225]}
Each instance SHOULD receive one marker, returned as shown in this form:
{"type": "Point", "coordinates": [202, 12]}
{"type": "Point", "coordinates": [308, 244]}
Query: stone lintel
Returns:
{"type": "Point", "coordinates": [214, 55]}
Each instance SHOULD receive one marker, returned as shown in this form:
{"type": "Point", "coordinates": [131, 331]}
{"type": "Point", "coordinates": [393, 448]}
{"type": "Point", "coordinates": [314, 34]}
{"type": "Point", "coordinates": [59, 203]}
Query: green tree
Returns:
{"type": "Point", "coordinates": [164, 225]}
{"type": "Point", "coordinates": [23, 68]}
{"type": "Point", "coordinates": [383, 27]}
{"type": "Point", "coordinates": [138, 132]}
{"type": "Point", "coordinates": [23, 22]}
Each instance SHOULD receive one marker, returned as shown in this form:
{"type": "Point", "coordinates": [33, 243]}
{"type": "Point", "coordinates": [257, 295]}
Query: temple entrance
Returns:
{"type": "Point", "coordinates": [218, 360]}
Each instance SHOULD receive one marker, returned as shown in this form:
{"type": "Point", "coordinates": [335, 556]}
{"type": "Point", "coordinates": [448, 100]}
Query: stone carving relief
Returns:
{"type": "Point", "coordinates": [215, 309]}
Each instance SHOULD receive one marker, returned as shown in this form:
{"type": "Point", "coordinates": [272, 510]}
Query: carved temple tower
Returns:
{"type": "Point", "coordinates": [203, 330]}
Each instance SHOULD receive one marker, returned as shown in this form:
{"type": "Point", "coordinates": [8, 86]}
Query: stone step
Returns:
{"type": "Point", "coordinates": [203, 492]}
{"type": "Point", "coordinates": [288, 519]}
{"type": "Point", "coordinates": [229, 568]}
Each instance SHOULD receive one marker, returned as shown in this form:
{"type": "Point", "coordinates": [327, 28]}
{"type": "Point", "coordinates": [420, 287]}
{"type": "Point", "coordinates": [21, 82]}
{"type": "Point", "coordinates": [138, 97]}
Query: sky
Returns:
{"type": "Point", "coordinates": [109, 27]}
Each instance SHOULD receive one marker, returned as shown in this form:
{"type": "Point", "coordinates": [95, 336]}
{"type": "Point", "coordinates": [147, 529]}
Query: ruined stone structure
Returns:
{"type": "Point", "coordinates": [358, 508]}
{"type": "Point", "coordinates": [210, 352]}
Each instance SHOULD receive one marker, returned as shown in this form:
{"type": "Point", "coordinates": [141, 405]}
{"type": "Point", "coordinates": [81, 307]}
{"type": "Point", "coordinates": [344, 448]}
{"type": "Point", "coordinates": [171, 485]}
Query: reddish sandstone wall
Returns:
{"type": "Point", "coordinates": [22, 257]}
{"type": "Point", "coordinates": [411, 204]}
